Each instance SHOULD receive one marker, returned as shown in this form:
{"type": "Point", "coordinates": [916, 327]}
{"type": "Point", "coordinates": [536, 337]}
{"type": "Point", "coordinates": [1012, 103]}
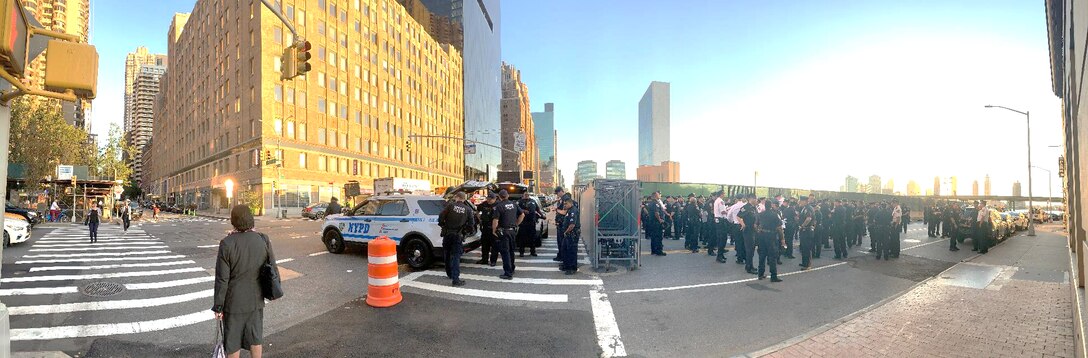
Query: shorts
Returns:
{"type": "Point", "coordinates": [242, 330]}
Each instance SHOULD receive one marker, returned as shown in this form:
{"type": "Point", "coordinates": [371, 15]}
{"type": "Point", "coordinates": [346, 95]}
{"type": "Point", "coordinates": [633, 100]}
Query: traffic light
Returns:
{"type": "Point", "coordinates": [408, 145]}
{"type": "Point", "coordinates": [268, 156]}
{"type": "Point", "coordinates": [14, 35]}
{"type": "Point", "coordinates": [295, 60]}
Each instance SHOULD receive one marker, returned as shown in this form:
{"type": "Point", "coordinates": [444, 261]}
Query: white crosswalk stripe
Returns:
{"type": "Point", "coordinates": [144, 274]}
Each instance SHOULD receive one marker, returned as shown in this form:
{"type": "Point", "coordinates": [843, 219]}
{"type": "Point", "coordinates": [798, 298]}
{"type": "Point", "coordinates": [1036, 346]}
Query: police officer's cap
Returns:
{"type": "Point", "coordinates": [568, 197]}
{"type": "Point", "coordinates": [503, 194]}
{"type": "Point", "coordinates": [558, 189]}
{"type": "Point", "coordinates": [492, 196]}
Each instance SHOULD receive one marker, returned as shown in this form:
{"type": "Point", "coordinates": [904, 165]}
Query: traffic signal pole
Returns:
{"type": "Point", "coordinates": [5, 141]}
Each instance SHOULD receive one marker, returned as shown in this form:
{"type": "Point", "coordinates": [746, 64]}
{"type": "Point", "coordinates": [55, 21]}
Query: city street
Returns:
{"type": "Point", "coordinates": [148, 292]}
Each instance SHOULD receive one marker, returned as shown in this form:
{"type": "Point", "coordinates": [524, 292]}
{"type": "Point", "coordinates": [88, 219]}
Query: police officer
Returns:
{"type": "Point", "coordinates": [569, 235]}
{"type": "Point", "coordinates": [858, 224]}
{"type": "Point", "coordinates": [559, 194]}
{"type": "Point", "coordinates": [655, 226]}
{"type": "Point", "coordinates": [906, 218]}
{"type": "Point", "coordinates": [691, 219]}
{"type": "Point", "coordinates": [882, 229]}
{"type": "Point", "coordinates": [488, 252]}
{"type": "Point", "coordinates": [768, 224]}
{"type": "Point", "coordinates": [957, 219]}
{"type": "Point", "coordinates": [722, 226]}
{"type": "Point", "coordinates": [748, 228]}
{"type": "Point", "coordinates": [527, 235]}
{"type": "Point", "coordinates": [806, 225]}
{"type": "Point", "coordinates": [789, 214]}
{"type": "Point", "coordinates": [504, 225]}
{"type": "Point", "coordinates": [840, 217]}
{"type": "Point", "coordinates": [454, 220]}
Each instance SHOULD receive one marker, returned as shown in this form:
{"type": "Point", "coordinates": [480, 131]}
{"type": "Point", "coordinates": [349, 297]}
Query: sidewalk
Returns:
{"type": "Point", "coordinates": [1012, 302]}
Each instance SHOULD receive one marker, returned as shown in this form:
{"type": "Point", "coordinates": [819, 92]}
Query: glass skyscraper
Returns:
{"type": "Point", "coordinates": [544, 125]}
{"type": "Point", "coordinates": [653, 125]}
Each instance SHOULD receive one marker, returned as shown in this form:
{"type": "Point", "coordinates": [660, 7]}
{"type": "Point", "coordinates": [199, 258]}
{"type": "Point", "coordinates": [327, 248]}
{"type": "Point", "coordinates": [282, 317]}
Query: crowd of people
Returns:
{"type": "Point", "coordinates": [768, 228]}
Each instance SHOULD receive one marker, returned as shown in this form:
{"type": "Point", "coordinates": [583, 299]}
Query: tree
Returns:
{"type": "Point", "coordinates": [41, 139]}
{"type": "Point", "coordinates": [110, 161]}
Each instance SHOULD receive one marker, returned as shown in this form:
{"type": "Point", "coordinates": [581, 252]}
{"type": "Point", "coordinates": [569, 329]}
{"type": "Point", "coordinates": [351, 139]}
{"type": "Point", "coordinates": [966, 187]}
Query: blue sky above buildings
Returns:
{"type": "Point", "coordinates": [824, 89]}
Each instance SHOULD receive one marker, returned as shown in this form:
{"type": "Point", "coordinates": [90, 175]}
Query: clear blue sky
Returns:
{"type": "Point", "coordinates": [846, 87]}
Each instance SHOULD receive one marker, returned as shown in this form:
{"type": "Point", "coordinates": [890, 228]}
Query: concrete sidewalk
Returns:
{"type": "Point", "coordinates": [1012, 302]}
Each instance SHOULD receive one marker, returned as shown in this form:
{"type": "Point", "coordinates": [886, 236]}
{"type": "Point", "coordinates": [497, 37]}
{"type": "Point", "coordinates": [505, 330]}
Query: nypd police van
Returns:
{"type": "Point", "coordinates": [409, 220]}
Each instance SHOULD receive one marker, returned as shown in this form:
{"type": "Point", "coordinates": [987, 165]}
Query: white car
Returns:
{"type": "Point", "coordinates": [409, 220]}
{"type": "Point", "coordinates": [16, 229]}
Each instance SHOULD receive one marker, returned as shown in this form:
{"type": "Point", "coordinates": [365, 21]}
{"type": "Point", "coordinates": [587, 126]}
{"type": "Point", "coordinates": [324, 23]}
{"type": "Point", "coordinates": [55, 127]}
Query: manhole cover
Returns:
{"type": "Point", "coordinates": [102, 289]}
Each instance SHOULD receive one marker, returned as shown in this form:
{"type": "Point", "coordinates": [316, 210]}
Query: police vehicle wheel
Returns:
{"type": "Point", "coordinates": [417, 253]}
{"type": "Point", "coordinates": [334, 242]}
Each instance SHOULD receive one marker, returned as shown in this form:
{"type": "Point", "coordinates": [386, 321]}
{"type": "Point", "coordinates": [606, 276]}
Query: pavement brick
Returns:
{"type": "Point", "coordinates": [1021, 319]}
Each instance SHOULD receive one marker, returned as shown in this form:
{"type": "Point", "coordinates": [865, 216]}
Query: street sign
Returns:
{"type": "Point", "coordinates": [470, 148]}
{"type": "Point", "coordinates": [64, 172]}
{"type": "Point", "coordinates": [519, 141]}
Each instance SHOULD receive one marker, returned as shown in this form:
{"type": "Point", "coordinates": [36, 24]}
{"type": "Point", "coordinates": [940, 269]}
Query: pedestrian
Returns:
{"type": "Point", "coordinates": [570, 235]}
{"type": "Point", "coordinates": [54, 211]}
{"type": "Point", "coordinates": [126, 215]}
{"type": "Point", "coordinates": [906, 219]}
{"type": "Point", "coordinates": [957, 219]}
{"type": "Point", "coordinates": [732, 225]}
{"type": "Point", "coordinates": [655, 228]}
{"type": "Point", "coordinates": [691, 220]}
{"type": "Point", "coordinates": [789, 215]}
{"type": "Point", "coordinates": [488, 252]}
{"type": "Point", "coordinates": [840, 218]}
{"type": "Point", "coordinates": [748, 229]}
{"type": "Point", "coordinates": [154, 210]}
{"type": "Point", "coordinates": [882, 228]}
{"type": "Point", "coordinates": [92, 219]}
{"type": "Point", "coordinates": [559, 193]}
{"type": "Point", "coordinates": [806, 227]}
{"type": "Point", "coordinates": [897, 221]}
{"type": "Point", "coordinates": [721, 225]}
{"type": "Point", "coordinates": [678, 218]}
{"type": "Point", "coordinates": [238, 299]}
{"type": "Point", "coordinates": [984, 228]}
{"type": "Point", "coordinates": [504, 225]}
{"type": "Point", "coordinates": [769, 224]}
{"type": "Point", "coordinates": [454, 220]}
{"type": "Point", "coordinates": [333, 208]}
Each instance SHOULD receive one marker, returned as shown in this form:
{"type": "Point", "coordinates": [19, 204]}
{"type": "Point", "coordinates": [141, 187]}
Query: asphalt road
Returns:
{"type": "Point", "coordinates": [680, 305]}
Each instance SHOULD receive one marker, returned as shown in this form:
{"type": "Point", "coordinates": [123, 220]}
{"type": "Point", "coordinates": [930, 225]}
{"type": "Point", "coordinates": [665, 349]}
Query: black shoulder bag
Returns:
{"type": "Point", "coordinates": [269, 277]}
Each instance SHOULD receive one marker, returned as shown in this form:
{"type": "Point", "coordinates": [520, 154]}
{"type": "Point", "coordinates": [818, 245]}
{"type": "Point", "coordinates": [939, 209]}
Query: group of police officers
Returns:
{"type": "Point", "coordinates": [770, 226]}
{"type": "Point", "coordinates": [505, 226]}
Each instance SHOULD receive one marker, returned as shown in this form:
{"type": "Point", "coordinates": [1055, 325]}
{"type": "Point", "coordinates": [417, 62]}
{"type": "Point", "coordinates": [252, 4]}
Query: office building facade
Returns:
{"type": "Point", "coordinates": [134, 61]}
{"type": "Point", "coordinates": [517, 121]}
{"type": "Point", "coordinates": [377, 78]}
{"type": "Point", "coordinates": [615, 169]}
{"type": "Point", "coordinates": [548, 177]}
{"type": "Point", "coordinates": [653, 125]}
{"type": "Point", "coordinates": [666, 172]}
{"type": "Point", "coordinates": [145, 91]}
{"type": "Point", "coordinates": [585, 173]}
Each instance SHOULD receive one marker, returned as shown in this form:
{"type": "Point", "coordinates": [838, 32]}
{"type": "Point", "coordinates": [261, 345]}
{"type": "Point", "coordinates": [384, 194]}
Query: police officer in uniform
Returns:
{"type": "Point", "coordinates": [454, 220]}
{"type": "Point", "coordinates": [747, 226]}
{"type": "Point", "coordinates": [840, 217]}
{"type": "Point", "coordinates": [768, 224]}
{"type": "Point", "coordinates": [504, 225]}
{"type": "Point", "coordinates": [789, 214]}
{"type": "Point", "coordinates": [655, 226]}
{"type": "Point", "coordinates": [569, 235]}
{"type": "Point", "coordinates": [691, 218]}
{"type": "Point", "coordinates": [806, 225]}
{"type": "Point", "coordinates": [956, 234]}
{"type": "Point", "coordinates": [527, 235]}
{"type": "Point", "coordinates": [559, 194]}
{"type": "Point", "coordinates": [882, 228]}
{"type": "Point", "coordinates": [488, 252]}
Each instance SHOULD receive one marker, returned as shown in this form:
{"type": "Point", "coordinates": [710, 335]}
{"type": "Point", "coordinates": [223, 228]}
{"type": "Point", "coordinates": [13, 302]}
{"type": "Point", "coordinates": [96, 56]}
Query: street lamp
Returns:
{"type": "Point", "coordinates": [1031, 198]}
{"type": "Point", "coordinates": [1049, 191]}
{"type": "Point", "coordinates": [230, 193]}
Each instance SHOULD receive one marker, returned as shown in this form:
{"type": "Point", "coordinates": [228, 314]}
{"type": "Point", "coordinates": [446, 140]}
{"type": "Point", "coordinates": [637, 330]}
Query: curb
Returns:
{"type": "Point", "coordinates": [49, 354]}
{"type": "Point", "coordinates": [838, 322]}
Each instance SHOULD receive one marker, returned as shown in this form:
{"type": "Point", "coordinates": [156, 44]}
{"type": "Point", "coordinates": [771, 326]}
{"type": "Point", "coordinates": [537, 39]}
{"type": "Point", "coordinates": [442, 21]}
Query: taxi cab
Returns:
{"type": "Point", "coordinates": [409, 220]}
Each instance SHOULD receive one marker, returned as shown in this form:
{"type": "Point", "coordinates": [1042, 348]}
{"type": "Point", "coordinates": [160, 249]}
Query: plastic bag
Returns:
{"type": "Point", "coordinates": [219, 351]}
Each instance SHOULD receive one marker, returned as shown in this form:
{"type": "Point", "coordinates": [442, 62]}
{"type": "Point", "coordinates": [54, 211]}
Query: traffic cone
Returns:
{"type": "Point", "coordinates": [383, 288]}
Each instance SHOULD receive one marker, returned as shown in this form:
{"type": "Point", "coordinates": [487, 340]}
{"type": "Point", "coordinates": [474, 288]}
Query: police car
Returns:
{"type": "Point", "coordinates": [409, 220]}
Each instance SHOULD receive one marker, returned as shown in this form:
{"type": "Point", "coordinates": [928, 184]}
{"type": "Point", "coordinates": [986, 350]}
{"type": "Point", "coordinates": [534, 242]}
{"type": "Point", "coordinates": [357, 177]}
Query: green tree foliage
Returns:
{"type": "Point", "coordinates": [41, 138]}
{"type": "Point", "coordinates": [110, 162]}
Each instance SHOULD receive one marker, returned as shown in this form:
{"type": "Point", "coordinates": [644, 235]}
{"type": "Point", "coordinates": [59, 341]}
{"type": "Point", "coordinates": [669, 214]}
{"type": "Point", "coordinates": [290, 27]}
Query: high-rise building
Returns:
{"type": "Point", "coordinates": [937, 186]}
{"type": "Point", "coordinates": [874, 184]}
{"type": "Point", "coordinates": [145, 91]}
{"type": "Point", "coordinates": [851, 185]}
{"type": "Point", "coordinates": [133, 63]}
{"type": "Point", "coordinates": [546, 135]}
{"type": "Point", "coordinates": [70, 17]}
{"type": "Point", "coordinates": [986, 185]}
{"type": "Point", "coordinates": [653, 125]}
{"type": "Point", "coordinates": [615, 169]}
{"type": "Point", "coordinates": [517, 120]}
{"type": "Point", "coordinates": [913, 189]}
{"type": "Point", "coordinates": [479, 43]}
{"type": "Point", "coordinates": [667, 172]}
{"type": "Point", "coordinates": [974, 188]}
{"type": "Point", "coordinates": [954, 185]}
{"type": "Point", "coordinates": [371, 86]}
{"type": "Point", "coordinates": [585, 173]}
{"type": "Point", "coordinates": [889, 187]}
{"type": "Point", "coordinates": [1016, 188]}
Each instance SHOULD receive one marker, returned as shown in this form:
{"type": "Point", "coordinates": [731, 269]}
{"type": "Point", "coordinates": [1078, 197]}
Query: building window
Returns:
{"type": "Point", "coordinates": [256, 158]}
{"type": "Point", "coordinates": [321, 79]}
{"type": "Point", "coordinates": [278, 92]}
{"type": "Point", "coordinates": [320, 27]}
{"type": "Point", "coordinates": [277, 126]}
{"type": "Point", "coordinates": [321, 53]}
{"type": "Point", "coordinates": [302, 131]}
{"type": "Point", "coordinates": [290, 96]}
{"type": "Point", "coordinates": [277, 63]}
{"type": "Point", "coordinates": [332, 108]}
{"type": "Point", "coordinates": [302, 99]}
{"type": "Point", "coordinates": [291, 129]}
{"type": "Point", "coordinates": [321, 164]}
{"type": "Point", "coordinates": [277, 35]}
{"type": "Point", "coordinates": [344, 140]}
{"type": "Point", "coordinates": [302, 160]}
{"type": "Point", "coordinates": [358, 117]}
{"type": "Point", "coordinates": [344, 112]}
{"type": "Point", "coordinates": [321, 135]}
{"type": "Point", "coordinates": [320, 104]}
{"type": "Point", "coordinates": [332, 139]}
{"type": "Point", "coordinates": [301, 19]}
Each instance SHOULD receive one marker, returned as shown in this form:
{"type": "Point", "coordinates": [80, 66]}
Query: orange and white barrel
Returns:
{"type": "Point", "coordinates": [383, 277]}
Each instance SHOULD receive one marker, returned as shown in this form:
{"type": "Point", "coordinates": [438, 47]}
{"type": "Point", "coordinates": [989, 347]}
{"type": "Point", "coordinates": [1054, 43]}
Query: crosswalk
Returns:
{"type": "Point", "coordinates": [180, 219]}
{"type": "Point", "coordinates": [537, 280]}
{"type": "Point", "coordinates": [66, 287]}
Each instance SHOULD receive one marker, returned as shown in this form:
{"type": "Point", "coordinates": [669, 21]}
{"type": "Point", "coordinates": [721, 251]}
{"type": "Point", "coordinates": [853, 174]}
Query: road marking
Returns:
{"type": "Point", "coordinates": [207, 246]}
{"type": "Point", "coordinates": [608, 331]}
{"type": "Point", "coordinates": [104, 259]}
{"type": "Point", "coordinates": [284, 260]}
{"type": "Point", "coordinates": [100, 248]}
{"type": "Point", "coordinates": [318, 253]}
{"type": "Point", "coordinates": [99, 244]}
{"type": "Point", "coordinates": [112, 266]}
{"type": "Point", "coordinates": [99, 254]}
{"type": "Point", "coordinates": [38, 291]}
{"type": "Point", "coordinates": [100, 275]}
{"type": "Point", "coordinates": [522, 259]}
{"type": "Point", "coordinates": [920, 245]}
{"type": "Point", "coordinates": [913, 241]}
{"type": "Point", "coordinates": [518, 268]}
{"type": "Point", "coordinates": [108, 305]}
{"type": "Point", "coordinates": [531, 281]}
{"type": "Point", "coordinates": [98, 330]}
{"type": "Point", "coordinates": [499, 295]}
{"type": "Point", "coordinates": [673, 288]}
{"type": "Point", "coordinates": [165, 284]}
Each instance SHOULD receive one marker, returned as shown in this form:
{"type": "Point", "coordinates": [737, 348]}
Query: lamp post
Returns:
{"type": "Point", "coordinates": [1031, 198]}
{"type": "Point", "coordinates": [1049, 191]}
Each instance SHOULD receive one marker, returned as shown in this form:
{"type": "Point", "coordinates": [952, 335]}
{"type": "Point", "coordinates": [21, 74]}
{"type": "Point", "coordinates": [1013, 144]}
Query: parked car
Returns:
{"type": "Point", "coordinates": [27, 215]}
{"type": "Point", "coordinates": [16, 230]}
{"type": "Point", "coordinates": [315, 211]}
{"type": "Point", "coordinates": [1001, 228]}
{"type": "Point", "coordinates": [136, 210]}
{"type": "Point", "coordinates": [1056, 215]}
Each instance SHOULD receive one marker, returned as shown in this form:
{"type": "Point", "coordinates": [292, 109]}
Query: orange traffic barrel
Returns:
{"type": "Point", "coordinates": [383, 280]}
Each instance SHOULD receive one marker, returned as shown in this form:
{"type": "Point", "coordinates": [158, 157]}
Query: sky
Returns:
{"type": "Point", "coordinates": [805, 92]}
